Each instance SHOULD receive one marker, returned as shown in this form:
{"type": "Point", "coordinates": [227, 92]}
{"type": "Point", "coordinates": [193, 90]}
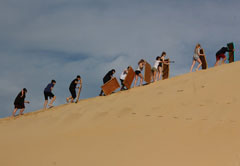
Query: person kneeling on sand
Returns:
{"type": "Point", "coordinates": [221, 55]}
{"type": "Point", "coordinates": [196, 57]}
{"type": "Point", "coordinates": [19, 102]}
{"type": "Point", "coordinates": [72, 88]}
{"type": "Point", "coordinates": [122, 78]}
{"type": "Point", "coordinates": [48, 94]}
{"type": "Point", "coordinates": [107, 78]}
{"type": "Point", "coordinates": [138, 73]}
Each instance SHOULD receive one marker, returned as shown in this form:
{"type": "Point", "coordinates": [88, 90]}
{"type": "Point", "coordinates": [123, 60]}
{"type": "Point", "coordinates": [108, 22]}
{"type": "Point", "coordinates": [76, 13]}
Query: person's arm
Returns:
{"type": "Point", "coordinates": [22, 94]}
{"type": "Point", "coordinates": [28, 102]}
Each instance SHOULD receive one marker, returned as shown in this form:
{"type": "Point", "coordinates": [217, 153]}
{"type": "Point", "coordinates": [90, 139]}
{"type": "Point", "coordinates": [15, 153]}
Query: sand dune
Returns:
{"type": "Point", "coordinates": [189, 120]}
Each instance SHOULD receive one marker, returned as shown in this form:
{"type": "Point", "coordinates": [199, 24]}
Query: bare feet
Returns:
{"type": "Point", "coordinates": [67, 99]}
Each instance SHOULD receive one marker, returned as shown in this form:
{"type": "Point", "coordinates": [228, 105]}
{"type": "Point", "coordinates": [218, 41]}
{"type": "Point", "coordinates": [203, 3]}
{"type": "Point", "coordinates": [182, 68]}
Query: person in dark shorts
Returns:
{"type": "Point", "coordinates": [48, 94]}
{"type": "Point", "coordinates": [122, 78]}
{"type": "Point", "coordinates": [19, 102]}
{"type": "Point", "coordinates": [221, 55]}
{"type": "Point", "coordinates": [72, 88]}
{"type": "Point", "coordinates": [107, 78]}
{"type": "Point", "coordinates": [138, 73]}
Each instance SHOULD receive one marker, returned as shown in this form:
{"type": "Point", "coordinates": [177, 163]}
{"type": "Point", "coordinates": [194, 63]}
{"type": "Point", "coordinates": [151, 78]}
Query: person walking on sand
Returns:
{"type": "Point", "coordinates": [196, 57]}
{"type": "Point", "coordinates": [160, 66]}
{"type": "Point", "coordinates": [107, 78]}
{"type": "Point", "coordinates": [221, 55]}
{"type": "Point", "coordinates": [155, 68]}
{"type": "Point", "coordinates": [19, 102]}
{"type": "Point", "coordinates": [138, 73]}
{"type": "Point", "coordinates": [122, 78]}
{"type": "Point", "coordinates": [72, 88]}
{"type": "Point", "coordinates": [48, 94]}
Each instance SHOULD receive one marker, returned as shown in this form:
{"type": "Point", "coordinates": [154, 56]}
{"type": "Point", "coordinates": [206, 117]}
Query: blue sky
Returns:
{"type": "Point", "coordinates": [59, 39]}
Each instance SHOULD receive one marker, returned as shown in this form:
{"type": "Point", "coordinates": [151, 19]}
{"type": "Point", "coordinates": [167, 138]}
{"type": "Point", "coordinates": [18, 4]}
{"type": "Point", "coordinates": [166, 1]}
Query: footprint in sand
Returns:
{"type": "Point", "coordinates": [203, 86]}
{"type": "Point", "coordinates": [160, 116]}
{"type": "Point", "coordinates": [204, 119]}
{"type": "Point", "coordinates": [175, 117]}
{"type": "Point", "coordinates": [147, 115]}
{"type": "Point", "coordinates": [134, 113]}
{"type": "Point", "coordinates": [180, 90]}
{"type": "Point", "coordinates": [188, 118]}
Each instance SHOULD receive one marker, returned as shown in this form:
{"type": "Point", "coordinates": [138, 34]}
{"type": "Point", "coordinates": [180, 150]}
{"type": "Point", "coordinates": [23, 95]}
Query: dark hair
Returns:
{"type": "Point", "coordinates": [113, 70]}
{"type": "Point", "coordinates": [78, 76]}
{"type": "Point", "coordinates": [141, 61]}
{"type": "Point", "coordinates": [157, 57]}
{"type": "Point", "coordinates": [24, 90]}
{"type": "Point", "coordinates": [163, 53]}
{"type": "Point", "coordinates": [53, 81]}
{"type": "Point", "coordinates": [128, 67]}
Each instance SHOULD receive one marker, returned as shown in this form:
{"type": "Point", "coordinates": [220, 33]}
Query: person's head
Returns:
{"type": "Point", "coordinates": [198, 46]}
{"type": "Point", "coordinates": [158, 58]}
{"type": "Point", "coordinates": [128, 67]}
{"type": "Point", "coordinates": [163, 54]}
{"type": "Point", "coordinates": [53, 82]}
{"type": "Point", "coordinates": [141, 61]}
{"type": "Point", "coordinates": [24, 90]}
{"type": "Point", "coordinates": [113, 71]}
{"type": "Point", "coordinates": [78, 77]}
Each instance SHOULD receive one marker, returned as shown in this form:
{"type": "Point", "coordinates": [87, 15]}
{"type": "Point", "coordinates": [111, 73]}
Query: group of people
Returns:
{"type": "Point", "coordinates": [157, 69]}
{"type": "Point", "coordinates": [19, 102]}
{"type": "Point", "coordinates": [219, 55]}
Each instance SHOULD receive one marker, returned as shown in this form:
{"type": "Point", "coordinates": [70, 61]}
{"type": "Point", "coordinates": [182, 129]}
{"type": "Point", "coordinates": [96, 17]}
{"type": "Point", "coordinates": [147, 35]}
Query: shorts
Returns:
{"type": "Point", "coordinates": [19, 106]}
{"type": "Point", "coordinates": [137, 72]}
{"type": "Point", "coordinates": [48, 94]}
{"type": "Point", "coordinates": [73, 93]}
{"type": "Point", "coordinates": [195, 57]}
{"type": "Point", "coordinates": [154, 69]}
{"type": "Point", "coordinates": [218, 57]}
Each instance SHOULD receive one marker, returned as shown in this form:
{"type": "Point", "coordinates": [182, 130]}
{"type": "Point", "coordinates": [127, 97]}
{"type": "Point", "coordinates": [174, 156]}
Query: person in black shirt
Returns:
{"type": "Point", "coordinates": [19, 102]}
{"type": "Point", "coordinates": [107, 78]}
{"type": "Point", "coordinates": [221, 55]}
{"type": "Point", "coordinates": [72, 89]}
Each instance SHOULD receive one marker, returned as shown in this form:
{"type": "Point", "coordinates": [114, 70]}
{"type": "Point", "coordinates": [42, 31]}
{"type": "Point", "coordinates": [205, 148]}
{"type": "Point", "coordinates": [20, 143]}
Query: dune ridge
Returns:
{"type": "Point", "coordinates": [188, 120]}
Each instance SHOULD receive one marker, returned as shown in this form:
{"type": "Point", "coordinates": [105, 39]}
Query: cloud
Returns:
{"type": "Point", "coordinates": [59, 39]}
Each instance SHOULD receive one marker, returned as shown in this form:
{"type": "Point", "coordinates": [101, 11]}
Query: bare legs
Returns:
{"type": "Point", "coordinates": [136, 79]}
{"type": "Point", "coordinates": [159, 73]}
{"type": "Point", "coordinates": [194, 62]}
{"type": "Point", "coordinates": [223, 61]}
{"type": "Point", "coordinates": [50, 104]}
{"type": "Point", "coordinates": [15, 110]}
{"type": "Point", "coordinates": [71, 99]}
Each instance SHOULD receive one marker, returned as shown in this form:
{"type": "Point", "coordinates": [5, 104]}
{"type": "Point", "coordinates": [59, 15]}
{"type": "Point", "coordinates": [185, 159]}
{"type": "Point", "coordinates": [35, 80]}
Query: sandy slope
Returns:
{"type": "Point", "coordinates": [190, 120]}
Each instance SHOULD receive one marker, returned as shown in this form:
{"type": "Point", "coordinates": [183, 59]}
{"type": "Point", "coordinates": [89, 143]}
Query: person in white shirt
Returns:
{"type": "Point", "coordinates": [122, 78]}
{"type": "Point", "coordinates": [155, 68]}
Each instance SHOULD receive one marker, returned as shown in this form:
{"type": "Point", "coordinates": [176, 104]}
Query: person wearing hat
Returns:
{"type": "Point", "coordinates": [19, 102]}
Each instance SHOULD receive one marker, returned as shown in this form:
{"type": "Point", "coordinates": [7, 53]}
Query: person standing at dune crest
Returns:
{"type": "Point", "coordinates": [48, 94]}
{"type": "Point", "coordinates": [72, 88]}
{"type": "Point", "coordinates": [107, 78]}
{"type": "Point", "coordinates": [19, 102]}
{"type": "Point", "coordinates": [196, 57]}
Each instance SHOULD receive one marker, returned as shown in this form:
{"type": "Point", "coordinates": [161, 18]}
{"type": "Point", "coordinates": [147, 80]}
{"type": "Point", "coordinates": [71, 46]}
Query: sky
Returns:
{"type": "Point", "coordinates": [41, 40]}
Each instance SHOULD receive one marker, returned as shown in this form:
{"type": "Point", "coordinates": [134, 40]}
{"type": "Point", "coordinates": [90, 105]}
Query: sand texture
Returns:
{"type": "Point", "coordinates": [189, 120]}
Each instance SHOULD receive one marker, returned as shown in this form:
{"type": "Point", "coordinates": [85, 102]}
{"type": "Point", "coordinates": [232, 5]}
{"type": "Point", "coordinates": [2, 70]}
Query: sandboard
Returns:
{"type": "Point", "coordinates": [109, 87]}
{"type": "Point", "coordinates": [203, 59]}
{"type": "Point", "coordinates": [129, 78]}
{"type": "Point", "coordinates": [148, 73]}
{"type": "Point", "coordinates": [165, 72]}
{"type": "Point", "coordinates": [79, 91]}
{"type": "Point", "coordinates": [231, 53]}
